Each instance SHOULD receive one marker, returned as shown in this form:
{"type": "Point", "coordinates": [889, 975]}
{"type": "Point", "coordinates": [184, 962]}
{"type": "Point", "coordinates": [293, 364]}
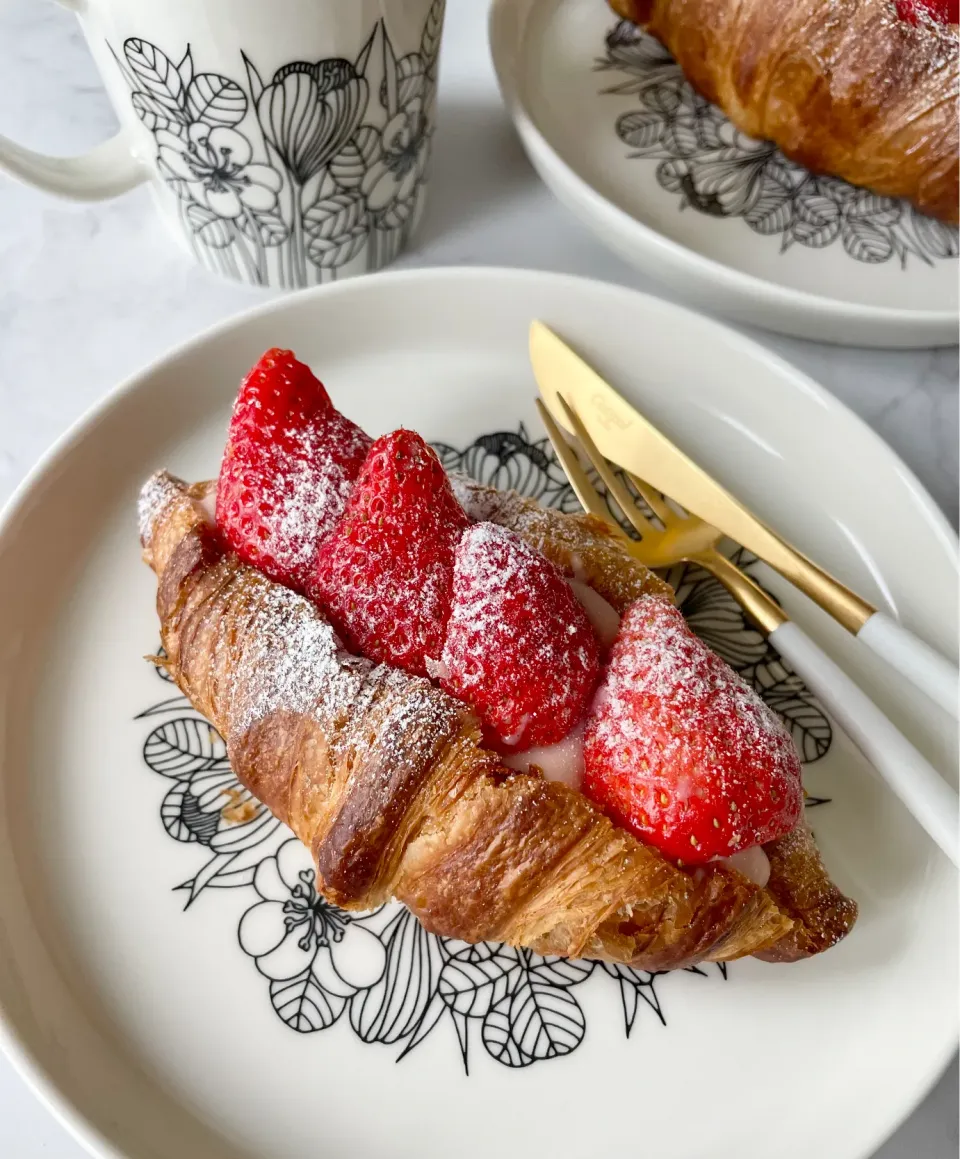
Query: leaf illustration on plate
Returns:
{"type": "Point", "coordinates": [560, 971]}
{"type": "Point", "coordinates": [937, 239]}
{"type": "Point", "coordinates": [680, 137]}
{"type": "Point", "coordinates": [477, 977]}
{"type": "Point", "coordinates": [184, 819]}
{"type": "Point", "coordinates": [773, 210]}
{"type": "Point", "coordinates": [871, 207]}
{"type": "Point", "coordinates": [641, 129]}
{"type": "Point", "coordinates": [635, 986]}
{"type": "Point", "coordinates": [303, 1006]}
{"type": "Point", "coordinates": [535, 1021]}
{"type": "Point", "coordinates": [816, 218]}
{"type": "Point", "coordinates": [216, 100]}
{"type": "Point", "coordinates": [395, 1006]}
{"type": "Point", "coordinates": [185, 68]}
{"type": "Point", "coordinates": [718, 619]}
{"type": "Point", "coordinates": [866, 242]}
{"type": "Point", "coordinates": [172, 704]}
{"type": "Point", "coordinates": [336, 228]}
{"type": "Point", "coordinates": [156, 73]}
{"type": "Point", "coordinates": [786, 693]}
{"type": "Point", "coordinates": [179, 748]}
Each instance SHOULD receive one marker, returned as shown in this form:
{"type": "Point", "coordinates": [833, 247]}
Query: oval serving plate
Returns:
{"type": "Point", "coordinates": [663, 178]}
{"type": "Point", "coordinates": [170, 983]}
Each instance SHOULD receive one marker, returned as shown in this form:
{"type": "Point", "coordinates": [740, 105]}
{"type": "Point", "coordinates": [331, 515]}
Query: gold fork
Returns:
{"type": "Point", "coordinates": [679, 539]}
{"type": "Point", "coordinates": [686, 538]}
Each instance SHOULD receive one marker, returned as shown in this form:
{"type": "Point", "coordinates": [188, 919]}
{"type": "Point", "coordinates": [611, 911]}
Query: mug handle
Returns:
{"type": "Point", "coordinates": [104, 171]}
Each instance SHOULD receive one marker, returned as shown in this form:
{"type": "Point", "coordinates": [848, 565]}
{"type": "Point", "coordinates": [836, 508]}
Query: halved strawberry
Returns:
{"type": "Point", "coordinates": [519, 649]}
{"type": "Point", "coordinates": [680, 750]}
{"type": "Point", "coordinates": [288, 468]}
{"type": "Point", "coordinates": [385, 573]}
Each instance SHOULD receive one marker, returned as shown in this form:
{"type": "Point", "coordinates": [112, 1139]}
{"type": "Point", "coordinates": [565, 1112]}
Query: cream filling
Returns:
{"type": "Point", "coordinates": [604, 618]}
{"type": "Point", "coordinates": [562, 761]}
{"type": "Point", "coordinates": [208, 505]}
{"type": "Point", "coordinates": [752, 863]}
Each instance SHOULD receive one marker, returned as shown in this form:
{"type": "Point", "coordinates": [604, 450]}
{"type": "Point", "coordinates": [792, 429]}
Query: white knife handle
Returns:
{"type": "Point", "coordinates": [915, 781]}
{"type": "Point", "coordinates": [924, 667]}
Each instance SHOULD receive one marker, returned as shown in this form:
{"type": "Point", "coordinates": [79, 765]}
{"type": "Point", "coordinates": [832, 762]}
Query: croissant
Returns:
{"type": "Point", "coordinates": [843, 87]}
{"type": "Point", "coordinates": [383, 776]}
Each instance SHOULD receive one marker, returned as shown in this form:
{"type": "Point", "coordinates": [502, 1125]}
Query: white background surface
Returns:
{"type": "Point", "coordinates": [90, 294]}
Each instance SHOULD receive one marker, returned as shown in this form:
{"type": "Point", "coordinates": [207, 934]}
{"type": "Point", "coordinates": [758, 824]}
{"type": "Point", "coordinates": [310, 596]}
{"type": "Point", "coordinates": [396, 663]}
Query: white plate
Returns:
{"type": "Point", "coordinates": [149, 1028]}
{"type": "Point", "coordinates": [624, 142]}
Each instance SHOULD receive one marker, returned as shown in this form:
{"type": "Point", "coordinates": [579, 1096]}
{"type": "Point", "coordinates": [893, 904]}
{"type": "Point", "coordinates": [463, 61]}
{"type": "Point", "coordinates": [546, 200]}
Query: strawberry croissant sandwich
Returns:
{"type": "Point", "coordinates": [484, 709]}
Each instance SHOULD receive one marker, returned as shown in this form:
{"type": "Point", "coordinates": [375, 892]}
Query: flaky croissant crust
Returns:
{"type": "Point", "coordinates": [841, 86]}
{"type": "Point", "coordinates": [382, 775]}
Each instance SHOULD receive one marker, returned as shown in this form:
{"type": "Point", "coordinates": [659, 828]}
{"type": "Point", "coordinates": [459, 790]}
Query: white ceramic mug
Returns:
{"type": "Point", "coordinates": [286, 141]}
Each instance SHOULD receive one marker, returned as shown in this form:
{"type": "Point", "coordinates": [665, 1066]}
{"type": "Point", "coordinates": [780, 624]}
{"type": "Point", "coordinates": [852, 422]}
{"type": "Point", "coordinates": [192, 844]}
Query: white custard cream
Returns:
{"type": "Point", "coordinates": [752, 863]}
{"type": "Point", "coordinates": [603, 617]}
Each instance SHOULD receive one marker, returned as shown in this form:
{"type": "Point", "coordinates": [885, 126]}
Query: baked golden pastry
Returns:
{"type": "Point", "coordinates": [384, 778]}
{"type": "Point", "coordinates": [865, 90]}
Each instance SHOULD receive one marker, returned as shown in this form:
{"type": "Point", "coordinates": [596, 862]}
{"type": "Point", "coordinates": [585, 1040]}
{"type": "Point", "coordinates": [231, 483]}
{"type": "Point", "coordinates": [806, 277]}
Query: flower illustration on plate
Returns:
{"type": "Point", "coordinates": [303, 944]}
{"type": "Point", "coordinates": [214, 167]}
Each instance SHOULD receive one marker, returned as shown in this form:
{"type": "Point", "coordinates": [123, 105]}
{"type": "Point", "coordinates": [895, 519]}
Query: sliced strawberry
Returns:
{"type": "Point", "coordinates": [680, 750]}
{"type": "Point", "coordinates": [287, 470]}
{"type": "Point", "coordinates": [519, 649]}
{"type": "Point", "coordinates": [942, 11]}
{"type": "Point", "coordinates": [385, 573]}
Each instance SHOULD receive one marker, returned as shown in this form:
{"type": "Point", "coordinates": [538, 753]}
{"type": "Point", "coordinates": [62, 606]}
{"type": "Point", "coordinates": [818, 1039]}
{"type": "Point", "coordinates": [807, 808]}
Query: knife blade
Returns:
{"type": "Point", "coordinates": [630, 440]}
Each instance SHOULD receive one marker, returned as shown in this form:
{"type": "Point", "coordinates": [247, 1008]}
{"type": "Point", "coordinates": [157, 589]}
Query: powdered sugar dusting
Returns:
{"type": "Point", "coordinates": [519, 647]}
{"type": "Point", "coordinates": [293, 662]}
{"type": "Point", "coordinates": [683, 738]}
{"type": "Point", "coordinates": [313, 484]}
{"type": "Point", "coordinates": [156, 495]}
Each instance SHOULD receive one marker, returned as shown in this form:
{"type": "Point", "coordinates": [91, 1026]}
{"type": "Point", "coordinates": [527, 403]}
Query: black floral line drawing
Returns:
{"type": "Point", "coordinates": [717, 170]}
{"type": "Point", "coordinates": [291, 180]}
{"type": "Point", "coordinates": [381, 972]}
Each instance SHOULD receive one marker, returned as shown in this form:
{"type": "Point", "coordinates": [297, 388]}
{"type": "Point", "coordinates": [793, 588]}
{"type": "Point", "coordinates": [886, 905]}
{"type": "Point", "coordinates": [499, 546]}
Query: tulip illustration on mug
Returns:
{"type": "Point", "coordinates": [315, 173]}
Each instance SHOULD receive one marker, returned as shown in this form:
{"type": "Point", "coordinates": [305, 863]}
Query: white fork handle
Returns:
{"type": "Point", "coordinates": [924, 667]}
{"type": "Point", "coordinates": [915, 781]}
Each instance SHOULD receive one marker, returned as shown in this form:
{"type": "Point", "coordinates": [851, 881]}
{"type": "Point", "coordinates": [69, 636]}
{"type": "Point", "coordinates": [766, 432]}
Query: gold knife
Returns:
{"type": "Point", "coordinates": [626, 437]}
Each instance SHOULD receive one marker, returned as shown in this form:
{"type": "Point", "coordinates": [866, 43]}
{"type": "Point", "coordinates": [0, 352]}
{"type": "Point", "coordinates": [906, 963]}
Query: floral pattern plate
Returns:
{"type": "Point", "coordinates": [666, 180]}
{"type": "Point", "coordinates": [169, 979]}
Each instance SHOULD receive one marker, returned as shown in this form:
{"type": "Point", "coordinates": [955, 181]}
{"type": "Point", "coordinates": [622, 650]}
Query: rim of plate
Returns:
{"type": "Point", "coordinates": [687, 261]}
{"type": "Point", "coordinates": [20, 1054]}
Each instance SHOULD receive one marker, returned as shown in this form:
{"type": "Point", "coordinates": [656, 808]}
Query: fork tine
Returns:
{"type": "Point", "coordinates": [622, 496]}
{"type": "Point", "coordinates": [653, 499]}
{"type": "Point", "coordinates": [589, 496]}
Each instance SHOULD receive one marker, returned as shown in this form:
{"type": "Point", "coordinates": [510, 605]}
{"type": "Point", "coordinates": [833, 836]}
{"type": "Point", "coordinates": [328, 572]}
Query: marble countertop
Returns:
{"type": "Point", "coordinates": [89, 294]}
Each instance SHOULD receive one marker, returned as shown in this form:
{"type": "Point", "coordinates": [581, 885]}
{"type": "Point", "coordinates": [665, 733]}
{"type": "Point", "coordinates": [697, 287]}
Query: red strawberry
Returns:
{"type": "Point", "coordinates": [385, 573]}
{"type": "Point", "coordinates": [680, 750]}
{"type": "Point", "coordinates": [287, 470]}
{"type": "Point", "coordinates": [519, 649]}
{"type": "Point", "coordinates": [942, 11]}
